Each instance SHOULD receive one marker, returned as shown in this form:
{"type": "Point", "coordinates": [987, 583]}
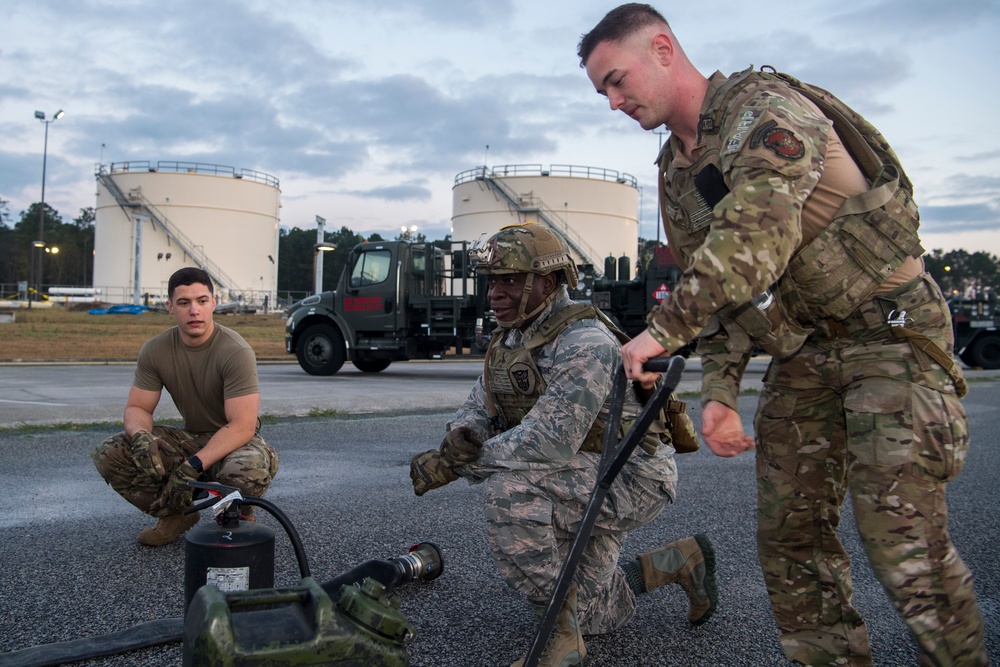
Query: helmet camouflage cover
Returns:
{"type": "Point", "coordinates": [525, 248]}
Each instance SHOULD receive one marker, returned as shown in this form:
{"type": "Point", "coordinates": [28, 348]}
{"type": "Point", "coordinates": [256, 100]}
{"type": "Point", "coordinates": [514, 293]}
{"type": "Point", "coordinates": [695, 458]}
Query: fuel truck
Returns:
{"type": "Point", "coordinates": [401, 300]}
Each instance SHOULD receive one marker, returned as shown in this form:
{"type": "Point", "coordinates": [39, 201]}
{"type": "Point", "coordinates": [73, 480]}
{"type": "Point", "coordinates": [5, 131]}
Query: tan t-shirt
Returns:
{"type": "Point", "coordinates": [199, 379]}
{"type": "Point", "coordinates": [842, 178]}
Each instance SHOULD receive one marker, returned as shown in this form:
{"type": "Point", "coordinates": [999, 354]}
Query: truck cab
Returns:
{"type": "Point", "coordinates": [976, 323]}
{"type": "Point", "coordinates": [394, 301]}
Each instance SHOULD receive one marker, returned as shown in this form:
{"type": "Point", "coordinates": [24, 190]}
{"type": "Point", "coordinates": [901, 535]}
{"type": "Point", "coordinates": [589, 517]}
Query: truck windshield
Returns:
{"type": "Point", "coordinates": [370, 268]}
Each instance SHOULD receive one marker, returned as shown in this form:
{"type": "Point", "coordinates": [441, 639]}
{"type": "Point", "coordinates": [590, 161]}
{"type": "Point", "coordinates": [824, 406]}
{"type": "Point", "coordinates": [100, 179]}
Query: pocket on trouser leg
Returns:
{"type": "Point", "coordinates": [893, 423]}
{"type": "Point", "coordinates": [521, 534]}
{"type": "Point", "coordinates": [878, 417]}
{"type": "Point", "coordinates": [942, 433]}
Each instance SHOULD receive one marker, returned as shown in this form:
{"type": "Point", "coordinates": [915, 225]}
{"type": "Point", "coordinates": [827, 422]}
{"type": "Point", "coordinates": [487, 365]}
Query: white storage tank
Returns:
{"type": "Point", "coordinates": [596, 209]}
{"type": "Point", "coordinates": [190, 214]}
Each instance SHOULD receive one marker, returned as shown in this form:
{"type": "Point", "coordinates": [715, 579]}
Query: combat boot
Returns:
{"type": "Point", "coordinates": [689, 562]}
{"type": "Point", "coordinates": [167, 529]}
{"type": "Point", "coordinates": [565, 647]}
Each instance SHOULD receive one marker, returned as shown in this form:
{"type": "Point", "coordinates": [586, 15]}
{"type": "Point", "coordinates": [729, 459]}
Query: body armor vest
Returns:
{"type": "Point", "coordinates": [514, 381]}
{"type": "Point", "coordinates": [831, 275]}
{"type": "Point", "coordinates": [514, 384]}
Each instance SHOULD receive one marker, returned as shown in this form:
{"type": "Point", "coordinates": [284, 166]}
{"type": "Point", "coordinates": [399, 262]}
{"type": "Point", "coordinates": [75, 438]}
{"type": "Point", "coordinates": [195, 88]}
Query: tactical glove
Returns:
{"type": "Point", "coordinates": [461, 446]}
{"type": "Point", "coordinates": [178, 494]}
{"type": "Point", "coordinates": [146, 451]}
{"type": "Point", "coordinates": [429, 471]}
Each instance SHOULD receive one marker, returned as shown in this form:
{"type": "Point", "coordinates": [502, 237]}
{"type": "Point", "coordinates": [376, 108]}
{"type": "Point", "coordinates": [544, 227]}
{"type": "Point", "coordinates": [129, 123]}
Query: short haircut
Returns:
{"type": "Point", "coordinates": [618, 25]}
{"type": "Point", "coordinates": [189, 275]}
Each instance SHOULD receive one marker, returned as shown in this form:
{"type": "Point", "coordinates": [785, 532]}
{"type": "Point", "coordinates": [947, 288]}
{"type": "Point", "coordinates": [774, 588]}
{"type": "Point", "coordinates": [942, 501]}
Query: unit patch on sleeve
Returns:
{"type": "Point", "coordinates": [784, 143]}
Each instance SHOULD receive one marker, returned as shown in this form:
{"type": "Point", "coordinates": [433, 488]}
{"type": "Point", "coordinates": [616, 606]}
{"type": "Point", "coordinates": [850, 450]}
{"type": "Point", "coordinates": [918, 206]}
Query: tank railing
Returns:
{"type": "Point", "coordinates": [136, 201]}
{"type": "Point", "coordinates": [192, 168]}
{"type": "Point", "coordinates": [566, 170]}
{"type": "Point", "coordinates": [596, 173]}
{"type": "Point", "coordinates": [550, 218]}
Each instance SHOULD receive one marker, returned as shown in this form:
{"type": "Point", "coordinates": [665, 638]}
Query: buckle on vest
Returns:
{"type": "Point", "coordinates": [898, 318]}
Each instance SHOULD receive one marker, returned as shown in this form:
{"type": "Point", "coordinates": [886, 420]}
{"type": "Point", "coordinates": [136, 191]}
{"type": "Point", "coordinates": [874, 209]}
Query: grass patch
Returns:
{"type": "Point", "coordinates": [322, 412]}
{"type": "Point", "coordinates": [61, 426]}
{"type": "Point", "coordinates": [46, 334]}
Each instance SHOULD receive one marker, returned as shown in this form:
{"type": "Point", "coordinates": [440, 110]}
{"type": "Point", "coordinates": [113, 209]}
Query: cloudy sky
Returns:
{"type": "Point", "coordinates": [365, 110]}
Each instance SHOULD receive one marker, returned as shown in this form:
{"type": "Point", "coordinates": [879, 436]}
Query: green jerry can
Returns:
{"type": "Point", "coordinates": [301, 625]}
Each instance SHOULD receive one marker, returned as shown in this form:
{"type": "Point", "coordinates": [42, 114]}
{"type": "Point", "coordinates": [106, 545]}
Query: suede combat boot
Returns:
{"type": "Point", "coordinates": [167, 529]}
{"type": "Point", "coordinates": [689, 562]}
{"type": "Point", "coordinates": [565, 647]}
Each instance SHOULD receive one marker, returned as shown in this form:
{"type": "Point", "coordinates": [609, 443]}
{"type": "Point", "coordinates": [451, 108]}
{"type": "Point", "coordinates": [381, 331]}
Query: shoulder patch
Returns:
{"type": "Point", "coordinates": [783, 143]}
{"type": "Point", "coordinates": [748, 116]}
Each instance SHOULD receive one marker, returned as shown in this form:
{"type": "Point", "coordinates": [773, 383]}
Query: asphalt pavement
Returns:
{"type": "Point", "coordinates": [43, 394]}
{"type": "Point", "coordinates": [70, 566]}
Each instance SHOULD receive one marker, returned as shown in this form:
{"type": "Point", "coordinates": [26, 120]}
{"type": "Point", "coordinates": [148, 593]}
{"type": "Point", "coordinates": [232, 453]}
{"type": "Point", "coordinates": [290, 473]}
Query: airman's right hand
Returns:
{"type": "Point", "coordinates": [722, 430]}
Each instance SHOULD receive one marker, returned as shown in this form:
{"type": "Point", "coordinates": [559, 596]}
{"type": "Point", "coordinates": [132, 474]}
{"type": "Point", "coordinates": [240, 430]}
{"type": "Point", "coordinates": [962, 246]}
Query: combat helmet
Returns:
{"type": "Point", "coordinates": [525, 248]}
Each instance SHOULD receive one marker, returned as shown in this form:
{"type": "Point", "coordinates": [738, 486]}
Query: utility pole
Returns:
{"type": "Point", "coordinates": [318, 254]}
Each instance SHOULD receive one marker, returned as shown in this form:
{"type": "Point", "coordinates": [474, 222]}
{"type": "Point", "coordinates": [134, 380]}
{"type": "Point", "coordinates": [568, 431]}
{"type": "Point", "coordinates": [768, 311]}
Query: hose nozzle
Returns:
{"type": "Point", "coordinates": [422, 561]}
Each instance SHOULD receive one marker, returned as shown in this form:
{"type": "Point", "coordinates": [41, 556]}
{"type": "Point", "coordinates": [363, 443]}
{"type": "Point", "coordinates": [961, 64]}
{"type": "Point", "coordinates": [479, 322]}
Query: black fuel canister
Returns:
{"type": "Point", "coordinates": [233, 556]}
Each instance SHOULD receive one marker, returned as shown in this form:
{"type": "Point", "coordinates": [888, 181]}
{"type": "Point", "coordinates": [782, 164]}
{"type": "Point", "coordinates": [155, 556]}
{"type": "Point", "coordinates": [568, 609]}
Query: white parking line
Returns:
{"type": "Point", "coordinates": [4, 400]}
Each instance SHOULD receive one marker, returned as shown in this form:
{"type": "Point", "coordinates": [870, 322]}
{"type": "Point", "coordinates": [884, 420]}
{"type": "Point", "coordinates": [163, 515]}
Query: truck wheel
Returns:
{"type": "Point", "coordinates": [366, 365]}
{"type": "Point", "coordinates": [985, 351]}
{"type": "Point", "coordinates": [321, 350]}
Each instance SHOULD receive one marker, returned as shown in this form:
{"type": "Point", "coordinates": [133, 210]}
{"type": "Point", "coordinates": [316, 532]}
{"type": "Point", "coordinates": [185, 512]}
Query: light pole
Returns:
{"type": "Point", "coordinates": [40, 115]}
{"type": "Point", "coordinates": [318, 264]}
{"type": "Point", "coordinates": [320, 241]}
{"type": "Point", "coordinates": [36, 249]}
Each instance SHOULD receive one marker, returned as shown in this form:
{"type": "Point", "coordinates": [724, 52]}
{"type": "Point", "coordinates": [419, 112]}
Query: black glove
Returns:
{"type": "Point", "coordinates": [462, 445]}
{"type": "Point", "coordinates": [146, 451]}
{"type": "Point", "coordinates": [429, 471]}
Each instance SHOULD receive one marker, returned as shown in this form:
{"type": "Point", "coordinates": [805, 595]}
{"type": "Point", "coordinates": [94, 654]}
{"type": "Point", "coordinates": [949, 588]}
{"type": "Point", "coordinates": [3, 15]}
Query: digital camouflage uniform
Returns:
{"type": "Point", "coordinates": [850, 404]}
{"type": "Point", "coordinates": [538, 480]}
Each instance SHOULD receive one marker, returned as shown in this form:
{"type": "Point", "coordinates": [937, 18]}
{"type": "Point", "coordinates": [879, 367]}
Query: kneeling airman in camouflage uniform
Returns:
{"type": "Point", "coordinates": [532, 430]}
{"type": "Point", "coordinates": [211, 374]}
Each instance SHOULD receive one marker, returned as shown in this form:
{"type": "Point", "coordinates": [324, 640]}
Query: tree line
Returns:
{"type": "Point", "coordinates": [958, 272]}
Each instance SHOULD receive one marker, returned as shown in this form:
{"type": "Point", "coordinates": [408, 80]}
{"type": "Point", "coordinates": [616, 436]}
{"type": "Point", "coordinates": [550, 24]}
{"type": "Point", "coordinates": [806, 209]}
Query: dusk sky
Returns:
{"type": "Point", "coordinates": [365, 111]}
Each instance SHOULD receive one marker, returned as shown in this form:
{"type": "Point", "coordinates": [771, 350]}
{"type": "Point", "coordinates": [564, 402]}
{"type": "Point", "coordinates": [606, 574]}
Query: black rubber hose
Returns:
{"type": "Point", "coordinates": [293, 535]}
{"type": "Point", "coordinates": [151, 633]}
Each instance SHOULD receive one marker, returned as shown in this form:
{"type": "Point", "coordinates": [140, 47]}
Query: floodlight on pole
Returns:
{"type": "Point", "coordinates": [40, 115]}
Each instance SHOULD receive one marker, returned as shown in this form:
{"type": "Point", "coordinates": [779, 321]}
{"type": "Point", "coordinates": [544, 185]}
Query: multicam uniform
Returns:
{"type": "Point", "coordinates": [199, 380]}
{"type": "Point", "coordinates": [538, 478]}
{"type": "Point", "coordinates": [850, 403]}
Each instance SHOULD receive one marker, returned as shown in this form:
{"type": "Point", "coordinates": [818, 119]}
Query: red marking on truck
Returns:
{"type": "Point", "coordinates": [661, 292]}
{"type": "Point", "coordinates": [362, 304]}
